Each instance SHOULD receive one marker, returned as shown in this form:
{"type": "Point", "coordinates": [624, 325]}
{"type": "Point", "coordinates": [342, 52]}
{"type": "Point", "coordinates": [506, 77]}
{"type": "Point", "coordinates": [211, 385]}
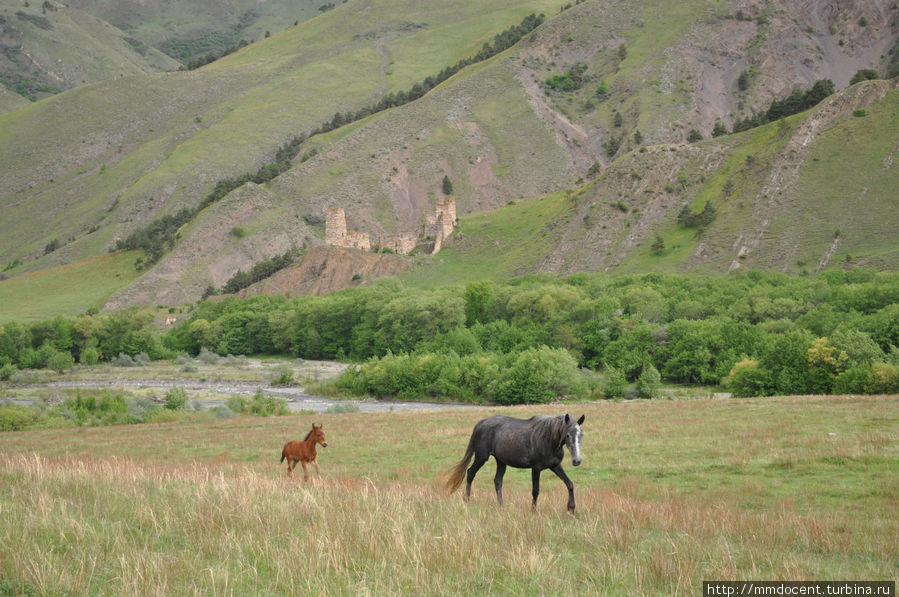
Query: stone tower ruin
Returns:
{"type": "Point", "coordinates": [337, 235]}
{"type": "Point", "coordinates": [437, 227]}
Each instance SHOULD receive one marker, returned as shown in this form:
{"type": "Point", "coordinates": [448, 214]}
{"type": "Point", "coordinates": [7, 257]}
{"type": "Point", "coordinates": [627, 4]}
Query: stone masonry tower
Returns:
{"type": "Point", "coordinates": [335, 226]}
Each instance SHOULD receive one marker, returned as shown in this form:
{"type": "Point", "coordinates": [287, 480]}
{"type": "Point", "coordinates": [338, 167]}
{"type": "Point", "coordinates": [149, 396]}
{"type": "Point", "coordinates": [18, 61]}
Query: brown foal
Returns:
{"type": "Point", "coordinates": [304, 451]}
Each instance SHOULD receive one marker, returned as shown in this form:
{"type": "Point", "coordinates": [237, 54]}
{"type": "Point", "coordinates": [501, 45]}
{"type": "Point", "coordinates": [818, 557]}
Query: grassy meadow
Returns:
{"type": "Point", "coordinates": [670, 493]}
{"type": "Point", "coordinates": [67, 290]}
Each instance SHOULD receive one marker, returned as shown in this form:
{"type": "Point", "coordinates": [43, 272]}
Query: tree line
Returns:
{"type": "Point", "coordinates": [798, 101]}
{"type": "Point", "coordinates": [532, 339]}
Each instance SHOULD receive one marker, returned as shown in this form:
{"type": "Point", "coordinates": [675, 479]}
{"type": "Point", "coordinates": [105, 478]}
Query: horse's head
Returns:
{"type": "Point", "coordinates": [573, 435]}
{"type": "Point", "coordinates": [319, 435]}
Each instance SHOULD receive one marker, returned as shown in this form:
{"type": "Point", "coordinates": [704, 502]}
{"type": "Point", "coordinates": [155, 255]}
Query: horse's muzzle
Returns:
{"type": "Point", "coordinates": [324, 444]}
{"type": "Point", "coordinates": [576, 462]}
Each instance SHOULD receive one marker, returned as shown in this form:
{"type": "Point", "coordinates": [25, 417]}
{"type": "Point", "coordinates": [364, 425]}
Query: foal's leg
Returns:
{"type": "Point", "coordinates": [561, 474]}
{"type": "Point", "coordinates": [498, 480]}
{"type": "Point", "coordinates": [305, 472]}
{"type": "Point", "coordinates": [317, 470]}
{"type": "Point", "coordinates": [472, 471]}
{"type": "Point", "coordinates": [535, 486]}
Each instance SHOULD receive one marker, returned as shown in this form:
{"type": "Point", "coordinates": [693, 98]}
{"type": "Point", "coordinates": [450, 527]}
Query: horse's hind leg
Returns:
{"type": "Point", "coordinates": [472, 471]}
{"type": "Point", "coordinates": [535, 486]}
{"type": "Point", "coordinates": [498, 480]}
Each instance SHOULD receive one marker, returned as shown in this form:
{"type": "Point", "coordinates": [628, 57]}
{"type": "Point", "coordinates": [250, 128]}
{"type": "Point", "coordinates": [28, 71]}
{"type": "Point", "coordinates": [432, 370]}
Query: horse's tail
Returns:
{"type": "Point", "coordinates": [283, 453]}
{"type": "Point", "coordinates": [457, 473]}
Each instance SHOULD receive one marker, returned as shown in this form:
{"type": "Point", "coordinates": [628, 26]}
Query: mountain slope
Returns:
{"type": "Point", "coordinates": [787, 206]}
{"type": "Point", "coordinates": [186, 30]}
{"type": "Point", "coordinates": [52, 47]}
{"type": "Point", "coordinates": [149, 146]}
{"type": "Point", "coordinates": [146, 146]}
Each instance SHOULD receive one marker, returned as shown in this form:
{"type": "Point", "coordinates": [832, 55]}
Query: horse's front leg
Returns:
{"type": "Point", "coordinates": [317, 470]}
{"type": "Point", "coordinates": [561, 474]}
{"type": "Point", "coordinates": [498, 480]}
{"type": "Point", "coordinates": [535, 486]}
{"type": "Point", "coordinates": [305, 471]}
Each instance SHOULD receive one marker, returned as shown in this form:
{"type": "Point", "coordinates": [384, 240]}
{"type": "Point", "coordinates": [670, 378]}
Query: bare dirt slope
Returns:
{"type": "Point", "coordinates": [326, 269]}
{"type": "Point", "coordinates": [246, 227]}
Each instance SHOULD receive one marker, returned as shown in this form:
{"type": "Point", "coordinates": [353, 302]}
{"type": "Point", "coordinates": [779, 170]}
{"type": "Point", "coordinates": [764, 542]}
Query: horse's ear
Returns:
{"type": "Point", "coordinates": [581, 420]}
{"type": "Point", "coordinates": [567, 418]}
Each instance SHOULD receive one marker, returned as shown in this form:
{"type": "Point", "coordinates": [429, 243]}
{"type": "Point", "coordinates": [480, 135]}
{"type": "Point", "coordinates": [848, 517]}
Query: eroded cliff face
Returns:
{"type": "Point", "coordinates": [246, 227]}
{"type": "Point", "coordinates": [326, 269]}
{"type": "Point", "coordinates": [686, 72]}
{"type": "Point", "coordinates": [766, 217]}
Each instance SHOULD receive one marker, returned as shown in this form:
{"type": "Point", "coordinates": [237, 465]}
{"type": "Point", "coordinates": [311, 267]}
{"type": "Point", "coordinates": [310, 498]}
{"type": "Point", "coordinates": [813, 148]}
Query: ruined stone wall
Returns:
{"type": "Point", "coordinates": [438, 240]}
{"type": "Point", "coordinates": [443, 220]}
{"type": "Point", "coordinates": [357, 240]}
{"type": "Point", "coordinates": [401, 244]}
{"type": "Point", "coordinates": [447, 209]}
{"type": "Point", "coordinates": [439, 227]}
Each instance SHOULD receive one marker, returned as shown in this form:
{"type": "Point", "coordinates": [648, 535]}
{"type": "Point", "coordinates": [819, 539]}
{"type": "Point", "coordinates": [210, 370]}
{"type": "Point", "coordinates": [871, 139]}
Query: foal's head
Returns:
{"type": "Point", "coordinates": [573, 435]}
{"type": "Point", "coordinates": [318, 435]}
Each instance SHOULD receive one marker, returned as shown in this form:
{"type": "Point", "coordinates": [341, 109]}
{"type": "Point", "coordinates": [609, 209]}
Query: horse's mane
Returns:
{"type": "Point", "coordinates": [552, 429]}
{"type": "Point", "coordinates": [308, 434]}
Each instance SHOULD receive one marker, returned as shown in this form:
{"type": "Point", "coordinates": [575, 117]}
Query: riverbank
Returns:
{"type": "Point", "coordinates": [207, 384]}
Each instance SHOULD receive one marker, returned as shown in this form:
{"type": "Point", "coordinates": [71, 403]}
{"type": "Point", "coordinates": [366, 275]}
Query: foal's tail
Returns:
{"type": "Point", "coordinates": [457, 473]}
{"type": "Point", "coordinates": [283, 453]}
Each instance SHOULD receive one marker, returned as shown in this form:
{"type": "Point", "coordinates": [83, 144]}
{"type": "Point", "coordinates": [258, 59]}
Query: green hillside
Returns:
{"type": "Point", "coordinates": [49, 47]}
{"type": "Point", "coordinates": [67, 290]}
{"type": "Point", "coordinates": [144, 146]}
{"type": "Point", "coordinates": [188, 30]}
{"type": "Point", "coordinates": [612, 223]}
{"type": "Point", "coordinates": [606, 147]}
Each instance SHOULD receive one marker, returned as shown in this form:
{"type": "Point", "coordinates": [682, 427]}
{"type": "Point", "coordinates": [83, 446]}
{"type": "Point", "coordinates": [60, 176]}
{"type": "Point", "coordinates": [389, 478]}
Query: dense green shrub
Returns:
{"type": "Point", "coordinates": [747, 379]}
{"type": "Point", "coordinates": [7, 370]}
{"type": "Point", "coordinates": [882, 379]}
{"type": "Point", "coordinates": [649, 381]}
{"type": "Point", "coordinates": [175, 399]}
{"type": "Point", "coordinates": [614, 383]}
{"type": "Point", "coordinates": [60, 362]}
{"type": "Point", "coordinates": [16, 417]}
{"type": "Point", "coordinates": [283, 377]}
{"type": "Point", "coordinates": [538, 375]}
{"type": "Point", "coordinates": [259, 405]}
{"type": "Point", "coordinates": [852, 380]}
{"type": "Point", "coordinates": [530, 376]}
{"type": "Point", "coordinates": [90, 356]}
{"type": "Point", "coordinates": [108, 409]}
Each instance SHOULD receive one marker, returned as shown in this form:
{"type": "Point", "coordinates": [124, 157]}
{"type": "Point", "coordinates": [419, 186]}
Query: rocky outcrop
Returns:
{"type": "Point", "coordinates": [325, 269]}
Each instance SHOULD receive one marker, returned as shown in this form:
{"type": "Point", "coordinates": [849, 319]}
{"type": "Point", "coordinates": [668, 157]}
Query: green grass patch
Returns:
{"type": "Point", "coordinates": [848, 163]}
{"type": "Point", "coordinates": [504, 242]}
{"type": "Point", "coordinates": [67, 290]}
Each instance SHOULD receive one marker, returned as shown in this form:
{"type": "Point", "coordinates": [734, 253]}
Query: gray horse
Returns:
{"type": "Point", "coordinates": [534, 443]}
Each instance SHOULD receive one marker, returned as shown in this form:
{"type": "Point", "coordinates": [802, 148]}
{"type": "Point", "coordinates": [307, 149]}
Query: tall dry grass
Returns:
{"type": "Point", "coordinates": [649, 521]}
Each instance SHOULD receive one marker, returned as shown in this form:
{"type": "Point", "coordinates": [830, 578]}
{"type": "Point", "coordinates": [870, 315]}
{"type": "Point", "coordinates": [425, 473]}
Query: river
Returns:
{"type": "Point", "coordinates": [297, 398]}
